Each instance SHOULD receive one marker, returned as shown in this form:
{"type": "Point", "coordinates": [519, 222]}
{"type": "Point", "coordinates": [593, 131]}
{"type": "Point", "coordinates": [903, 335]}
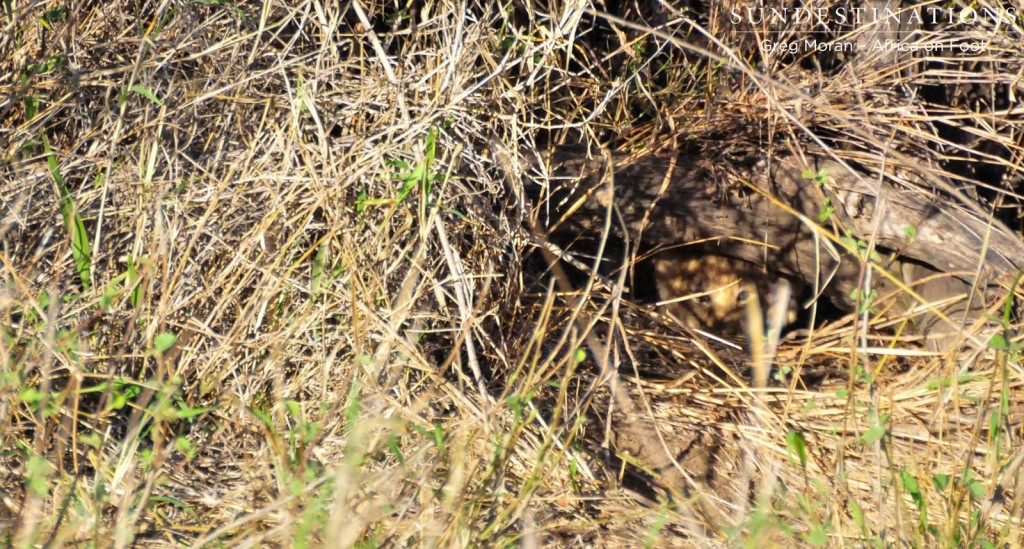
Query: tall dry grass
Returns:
{"type": "Point", "coordinates": [266, 282]}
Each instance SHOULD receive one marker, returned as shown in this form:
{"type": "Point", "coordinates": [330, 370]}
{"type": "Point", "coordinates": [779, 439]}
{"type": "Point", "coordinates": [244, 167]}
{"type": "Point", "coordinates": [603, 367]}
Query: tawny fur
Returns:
{"type": "Point", "coordinates": [710, 291]}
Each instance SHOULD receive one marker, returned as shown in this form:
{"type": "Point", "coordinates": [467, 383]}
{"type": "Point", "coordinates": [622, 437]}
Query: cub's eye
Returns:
{"type": "Point", "coordinates": [742, 296]}
{"type": "Point", "coordinates": [704, 300]}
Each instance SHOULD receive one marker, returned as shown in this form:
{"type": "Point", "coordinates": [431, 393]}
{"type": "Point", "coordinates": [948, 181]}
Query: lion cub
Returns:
{"type": "Point", "coordinates": [709, 292]}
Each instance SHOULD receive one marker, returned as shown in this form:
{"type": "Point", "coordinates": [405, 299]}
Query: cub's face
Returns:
{"type": "Point", "coordinates": [710, 292]}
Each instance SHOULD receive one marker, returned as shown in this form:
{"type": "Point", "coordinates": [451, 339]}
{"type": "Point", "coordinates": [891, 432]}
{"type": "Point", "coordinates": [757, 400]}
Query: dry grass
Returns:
{"type": "Point", "coordinates": [263, 283]}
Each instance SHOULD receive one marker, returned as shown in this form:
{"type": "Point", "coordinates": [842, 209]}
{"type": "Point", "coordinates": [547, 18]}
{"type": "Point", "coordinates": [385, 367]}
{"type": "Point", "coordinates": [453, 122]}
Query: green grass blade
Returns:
{"type": "Point", "coordinates": [81, 248]}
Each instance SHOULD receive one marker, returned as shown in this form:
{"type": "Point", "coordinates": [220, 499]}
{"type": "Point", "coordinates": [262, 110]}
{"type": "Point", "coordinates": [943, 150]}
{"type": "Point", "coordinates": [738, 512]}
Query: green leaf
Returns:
{"type": "Point", "coordinates": [911, 232]}
{"type": "Point", "coordinates": [436, 435]}
{"type": "Point", "coordinates": [516, 404]}
{"type": "Point", "coordinates": [118, 401]}
{"type": "Point", "coordinates": [44, 300]}
{"type": "Point", "coordinates": [431, 153]}
{"type": "Point", "coordinates": [977, 489]}
{"type": "Point", "coordinates": [797, 446]}
{"type": "Point", "coordinates": [31, 107]}
{"type": "Point", "coordinates": [353, 404]}
{"type": "Point", "coordinates": [146, 93]}
{"type": "Point", "coordinates": [262, 416]}
{"type": "Point", "coordinates": [820, 177]}
{"type": "Point", "coordinates": [293, 408]}
{"type": "Point", "coordinates": [30, 395]}
{"type": "Point", "coordinates": [58, 13]}
{"type": "Point", "coordinates": [185, 446]}
{"type": "Point", "coordinates": [163, 341]}
{"type": "Point", "coordinates": [361, 202]}
{"type": "Point", "coordinates": [818, 536]}
{"type": "Point", "coordinates": [396, 451]}
{"type": "Point", "coordinates": [92, 439]}
{"type": "Point", "coordinates": [874, 434]}
{"type": "Point", "coordinates": [177, 503]}
{"type": "Point", "coordinates": [81, 248]}
{"type": "Point", "coordinates": [317, 273]}
{"type": "Point", "coordinates": [827, 210]}
{"type": "Point", "coordinates": [994, 422]}
{"type": "Point", "coordinates": [421, 174]}
{"type": "Point", "coordinates": [37, 472]}
{"type": "Point", "coordinates": [407, 187]}
{"type": "Point", "coordinates": [1008, 307]}
{"type": "Point", "coordinates": [999, 343]}
{"type": "Point", "coordinates": [111, 292]}
{"type": "Point", "coordinates": [911, 486]}
{"type": "Point", "coordinates": [866, 300]}
{"type": "Point", "coordinates": [858, 514]}
{"type": "Point", "coordinates": [187, 413]}
{"type": "Point", "coordinates": [132, 282]}
{"type": "Point", "coordinates": [940, 482]}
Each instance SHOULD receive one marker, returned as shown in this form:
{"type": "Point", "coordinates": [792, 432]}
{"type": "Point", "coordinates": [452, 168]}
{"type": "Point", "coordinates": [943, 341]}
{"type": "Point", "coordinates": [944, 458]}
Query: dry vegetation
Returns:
{"type": "Point", "coordinates": [268, 277]}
